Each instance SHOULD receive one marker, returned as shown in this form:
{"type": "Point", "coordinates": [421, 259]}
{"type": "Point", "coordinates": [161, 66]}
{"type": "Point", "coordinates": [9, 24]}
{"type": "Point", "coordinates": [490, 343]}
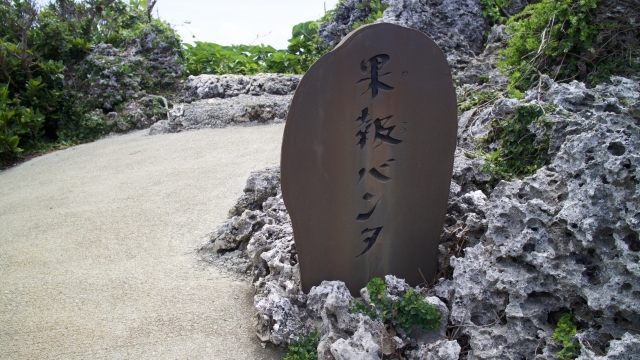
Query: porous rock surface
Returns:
{"type": "Point", "coordinates": [227, 86]}
{"type": "Point", "coordinates": [457, 26]}
{"type": "Point", "coordinates": [116, 81]}
{"type": "Point", "coordinates": [214, 101]}
{"type": "Point", "coordinates": [564, 239]}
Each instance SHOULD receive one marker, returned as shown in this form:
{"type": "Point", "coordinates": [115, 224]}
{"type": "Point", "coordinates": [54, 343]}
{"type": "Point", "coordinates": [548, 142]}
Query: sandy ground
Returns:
{"type": "Point", "coordinates": [97, 248]}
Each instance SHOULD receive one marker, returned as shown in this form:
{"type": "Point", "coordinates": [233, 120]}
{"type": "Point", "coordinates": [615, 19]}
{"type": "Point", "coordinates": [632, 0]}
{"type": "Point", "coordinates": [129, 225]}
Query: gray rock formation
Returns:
{"type": "Point", "coordinates": [217, 113]}
{"type": "Point", "coordinates": [119, 82]}
{"type": "Point", "coordinates": [455, 25]}
{"type": "Point", "coordinates": [564, 239]}
{"type": "Point", "coordinates": [514, 258]}
{"type": "Point", "coordinates": [226, 86]}
{"type": "Point", "coordinates": [214, 101]}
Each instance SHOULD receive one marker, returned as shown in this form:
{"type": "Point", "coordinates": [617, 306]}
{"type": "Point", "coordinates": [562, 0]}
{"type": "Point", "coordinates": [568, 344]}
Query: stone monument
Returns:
{"type": "Point", "coordinates": [367, 158]}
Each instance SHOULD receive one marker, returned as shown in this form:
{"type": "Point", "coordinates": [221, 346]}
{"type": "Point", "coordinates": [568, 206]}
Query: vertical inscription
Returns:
{"type": "Point", "coordinates": [372, 67]}
{"type": "Point", "coordinates": [374, 132]}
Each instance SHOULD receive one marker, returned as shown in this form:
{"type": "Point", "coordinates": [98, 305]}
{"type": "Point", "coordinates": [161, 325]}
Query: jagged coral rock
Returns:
{"type": "Point", "coordinates": [217, 112]}
{"type": "Point", "coordinates": [226, 86]}
{"type": "Point", "coordinates": [222, 100]}
{"type": "Point", "coordinates": [453, 24]}
{"type": "Point", "coordinates": [439, 350]}
{"type": "Point", "coordinates": [563, 239]}
{"type": "Point", "coordinates": [260, 186]}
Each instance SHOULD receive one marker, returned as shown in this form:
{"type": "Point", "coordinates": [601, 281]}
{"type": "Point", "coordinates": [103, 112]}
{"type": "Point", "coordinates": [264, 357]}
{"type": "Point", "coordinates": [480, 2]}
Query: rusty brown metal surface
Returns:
{"type": "Point", "coordinates": [367, 157]}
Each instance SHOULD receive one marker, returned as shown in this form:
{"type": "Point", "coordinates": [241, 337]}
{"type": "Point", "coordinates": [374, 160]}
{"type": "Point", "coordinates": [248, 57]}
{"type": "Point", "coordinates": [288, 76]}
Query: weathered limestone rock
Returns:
{"type": "Point", "coordinates": [116, 81]}
{"type": "Point", "coordinates": [226, 86]}
{"type": "Point", "coordinates": [439, 350]}
{"type": "Point", "coordinates": [563, 239]}
{"type": "Point", "coordinates": [216, 112]}
{"type": "Point", "coordinates": [454, 25]}
{"type": "Point", "coordinates": [221, 100]}
{"type": "Point", "coordinates": [261, 185]}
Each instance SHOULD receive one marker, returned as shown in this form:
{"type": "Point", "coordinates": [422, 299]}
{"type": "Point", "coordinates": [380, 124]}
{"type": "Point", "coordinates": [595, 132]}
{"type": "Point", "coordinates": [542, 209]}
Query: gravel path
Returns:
{"type": "Point", "coordinates": [97, 248]}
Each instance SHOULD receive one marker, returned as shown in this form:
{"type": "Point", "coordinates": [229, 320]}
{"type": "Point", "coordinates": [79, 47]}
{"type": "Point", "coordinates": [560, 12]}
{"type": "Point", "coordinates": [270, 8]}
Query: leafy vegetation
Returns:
{"type": "Point", "coordinates": [519, 152]}
{"type": "Point", "coordinates": [409, 311]}
{"type": "Point", "coordinates": [471, 99]}
{"type": "Point", "coordinates": [42, 50]}
{"type": "Point", "coordinates": [563, 335]}
{"type": "Point", "coordinates": [376, 9]}
{"type": "Point", "coordinates": [303, 50]}
{"type": "Point", "coordinates": [495, 11]}
{"type": "Point", "coordinates": [306, 348]}
{"type": "Point", "coordinates": [566, 40]}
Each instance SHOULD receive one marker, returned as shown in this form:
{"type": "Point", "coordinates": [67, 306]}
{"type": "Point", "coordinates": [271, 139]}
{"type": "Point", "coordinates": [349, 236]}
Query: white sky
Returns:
{"type": "Point", "coordinates": [239, 21]}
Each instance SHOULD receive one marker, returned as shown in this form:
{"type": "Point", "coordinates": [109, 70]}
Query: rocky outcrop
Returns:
{"type": "Point", "coordinates": [214, 101]}
{"type": "Point", "coordinates": [119, 82]}
{"type": "Point", "coordinates": [512, 262]}
{"type": "Point", "coordinates": [456, 26]}
{"type": "Point", "coordinates": [563, 239]}
{"type": "Point", "coordinates": [227, 86]}
{"type": "Point", "coordinates": [514, 256]}
{"type": "Point", "coordinates": [217, 113]}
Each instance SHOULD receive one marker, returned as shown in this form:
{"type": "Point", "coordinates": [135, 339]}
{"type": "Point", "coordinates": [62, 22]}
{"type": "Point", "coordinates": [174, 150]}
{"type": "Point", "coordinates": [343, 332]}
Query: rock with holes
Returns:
{"type": "Point", "coordinates": [438, 350]}
{"type": "Point", "coordinates": [238, 230]}
{"type": "Point", "coordinates": [261, 185]}
{"type": "Point", "coordinates": [564, 239]}
{"type": "Point", "coordinates": [455, 25]}
{"type": "Point", "coordinates": [623, 349]}
{"type": "Point", "coordinates": [227, 86]}
{"type": "Point", "coordinates": [278, 319]}
{"type": "Point", "coordinates": [221, 112]}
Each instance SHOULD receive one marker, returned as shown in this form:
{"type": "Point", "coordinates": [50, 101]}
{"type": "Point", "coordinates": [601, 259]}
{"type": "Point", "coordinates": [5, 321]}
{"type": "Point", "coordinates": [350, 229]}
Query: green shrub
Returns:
{"type": "Point", "coordinates": [303, 50]}
{"type": "Point", "coordinates": [495, 11]}
{"type": "Point", "coordinates": [306, 348]}
{"type": "Point", "coordinates": [519, 153]}
{"type": "Point", "coordinates": [85, 127]}
{"type": "Point", "coordinates": [409, 311]}
{"type": "Point", "coordinates": [563, 335]}
{"type": "Point", "coordinates": [41, 49]}
{"type": "Point", "coordinates": [376, 9]}
{"type": "Point", "coordinates": [470, 100]}
{"type": "Point", "coordinates": [17, 124]}
{"type": "Point", "coordinates": [564, 39]}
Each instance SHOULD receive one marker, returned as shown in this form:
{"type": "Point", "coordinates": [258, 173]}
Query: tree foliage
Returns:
{"type": "Point", "coordinates": [303, 50]}
{"type": "Point", "coordinates": [40, 48]}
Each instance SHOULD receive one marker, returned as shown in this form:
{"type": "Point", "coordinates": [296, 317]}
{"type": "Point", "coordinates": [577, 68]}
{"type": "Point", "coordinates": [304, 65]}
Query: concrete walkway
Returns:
{"type": "Point", "coordinates": [97, 248]}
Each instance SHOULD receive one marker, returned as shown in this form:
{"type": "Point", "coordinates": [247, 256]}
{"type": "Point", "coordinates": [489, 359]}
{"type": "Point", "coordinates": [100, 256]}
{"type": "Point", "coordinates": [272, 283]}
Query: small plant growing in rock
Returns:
{"type": "Point", "coordinates": [519, 152]}
{"type": "Point", "coordinates": [409, 311]}
{"type": "Point", "coordinates": [306, 348]}
{"type": "Point", "coordinates": [495, 11]}
{"type": "Point", "coordinates": [565, 330]}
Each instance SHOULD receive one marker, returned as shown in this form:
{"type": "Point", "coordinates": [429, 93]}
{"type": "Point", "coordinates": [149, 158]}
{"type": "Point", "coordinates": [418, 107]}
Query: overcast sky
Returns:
{"type": "Point", "coordinates": [227, 22]}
